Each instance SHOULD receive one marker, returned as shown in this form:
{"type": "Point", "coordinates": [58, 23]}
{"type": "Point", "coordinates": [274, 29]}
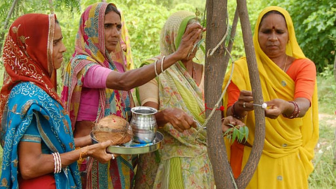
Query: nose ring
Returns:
{"type": "Point", "coordinates": [244, 105]}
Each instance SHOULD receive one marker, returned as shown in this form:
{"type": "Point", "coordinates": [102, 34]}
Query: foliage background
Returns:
{"type": "Point", "coordinates": [315, 26]}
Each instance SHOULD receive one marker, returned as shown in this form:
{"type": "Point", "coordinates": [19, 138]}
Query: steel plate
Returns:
{"type": "Point", "coordinates": [136, 148]}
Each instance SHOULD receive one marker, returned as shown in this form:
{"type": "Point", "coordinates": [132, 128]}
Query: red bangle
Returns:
{"type": "Point", "coordinates": [295, 112]}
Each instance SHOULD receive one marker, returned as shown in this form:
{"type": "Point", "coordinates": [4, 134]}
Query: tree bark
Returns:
{"type": "Point", "coordinates": [258, 143]}
{"type": "Point", "coordinates": [214, 74]}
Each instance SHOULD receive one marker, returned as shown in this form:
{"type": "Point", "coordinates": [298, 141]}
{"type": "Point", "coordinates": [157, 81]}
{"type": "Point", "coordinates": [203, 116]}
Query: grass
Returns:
{"type": "Point", "coordinates": [324, 174]}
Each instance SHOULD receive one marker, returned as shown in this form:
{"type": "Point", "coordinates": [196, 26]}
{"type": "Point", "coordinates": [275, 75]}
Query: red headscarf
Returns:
{"type": "Point", "coordinates": [27, 55]}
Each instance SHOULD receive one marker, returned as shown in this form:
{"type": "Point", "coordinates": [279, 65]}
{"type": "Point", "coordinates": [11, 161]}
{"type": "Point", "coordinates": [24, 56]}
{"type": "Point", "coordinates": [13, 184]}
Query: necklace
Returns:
{"type": "Point", "coordinates": [284, 69]}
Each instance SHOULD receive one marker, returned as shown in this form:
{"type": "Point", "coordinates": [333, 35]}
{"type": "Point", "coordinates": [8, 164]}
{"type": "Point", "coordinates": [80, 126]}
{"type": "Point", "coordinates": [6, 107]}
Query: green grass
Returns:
{"type": "Point", "coordinates": [324, 174]}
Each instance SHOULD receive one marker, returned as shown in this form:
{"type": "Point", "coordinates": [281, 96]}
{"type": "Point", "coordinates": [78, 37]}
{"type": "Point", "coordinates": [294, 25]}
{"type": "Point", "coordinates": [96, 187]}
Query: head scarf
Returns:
{"type": "Point", "coordinates": [27, 55]}
{"type": "Point", "coordinates": [298, 133]}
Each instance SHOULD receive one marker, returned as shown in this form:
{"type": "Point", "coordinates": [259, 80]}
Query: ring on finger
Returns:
{"type": "Point", "coordinates": [244, 105]}
{"type": "Point", "coordinates": [113, 157]}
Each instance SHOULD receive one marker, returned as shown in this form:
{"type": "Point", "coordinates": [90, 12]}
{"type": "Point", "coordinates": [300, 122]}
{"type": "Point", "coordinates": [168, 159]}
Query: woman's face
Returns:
{"type": "Point", "coordinates": [58, 47]}
{"type": "Point", "coordinates": [273, 35]}
{"type": "Point", "coordinates": [112, 29]}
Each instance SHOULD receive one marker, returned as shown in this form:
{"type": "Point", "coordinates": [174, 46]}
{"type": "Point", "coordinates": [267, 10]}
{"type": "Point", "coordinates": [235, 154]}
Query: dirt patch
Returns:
{"type": "Point", "coordinates": [329, 119]}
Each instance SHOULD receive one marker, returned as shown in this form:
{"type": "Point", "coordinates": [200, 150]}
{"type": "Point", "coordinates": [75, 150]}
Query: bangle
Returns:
{"type": "Point", "coordinates": [155, 68]}
{"type": "Point", "coordinates": [162, 63]}
{"type": "Point", "coordinates": [234, 114]}
{"type": "Point", "coordinates": [295, 112]}
{"type": "Point", "coordinates": [82, 153]}
{"type": "Point", "coordinates": [57, 162]}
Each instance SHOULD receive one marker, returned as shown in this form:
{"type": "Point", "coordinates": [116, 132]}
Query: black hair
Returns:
{"type": "Point", "coordinates": [272, 12]}
{"type": "Point", "coordinates": [112, 8]}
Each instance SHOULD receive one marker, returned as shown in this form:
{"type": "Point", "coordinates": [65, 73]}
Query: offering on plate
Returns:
{"type": "Point", "coordinates": [113, 128]}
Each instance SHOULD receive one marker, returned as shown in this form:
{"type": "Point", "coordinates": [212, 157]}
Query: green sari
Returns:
{"type": "Point", "coordinates": [183, 161]}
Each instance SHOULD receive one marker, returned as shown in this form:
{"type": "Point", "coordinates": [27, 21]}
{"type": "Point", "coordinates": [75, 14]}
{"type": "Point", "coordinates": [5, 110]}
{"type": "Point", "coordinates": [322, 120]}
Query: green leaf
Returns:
{"type": "Point", "coordinates": [234, 134]}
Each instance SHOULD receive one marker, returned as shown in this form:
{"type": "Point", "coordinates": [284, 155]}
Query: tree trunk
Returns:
{"type": "Point", "coordinates": [258, 143]}
{"type": "Point", "coordinates": [214, 74]}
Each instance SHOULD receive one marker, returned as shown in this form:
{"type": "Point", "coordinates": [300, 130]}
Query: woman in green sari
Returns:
{"type": "Point", "coordinates": [177, 93]}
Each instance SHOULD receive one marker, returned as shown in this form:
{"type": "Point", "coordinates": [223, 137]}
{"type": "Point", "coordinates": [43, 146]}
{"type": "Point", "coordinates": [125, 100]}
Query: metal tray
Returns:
{"type": "Point", "coordinates": [136, 148]}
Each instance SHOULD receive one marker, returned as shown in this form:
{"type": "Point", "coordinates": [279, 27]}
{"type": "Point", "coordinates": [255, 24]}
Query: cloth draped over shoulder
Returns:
{"type": "Point", "coordinates": [90, 50]}
{"type": "Point", "coordinates": [118, 55]}
{"type": "Point", "coordinates": [177, 89]}
{"type": "Point", "coordinates": [29, 94]}
{"type": "Point", "coordinates": [289, 143]}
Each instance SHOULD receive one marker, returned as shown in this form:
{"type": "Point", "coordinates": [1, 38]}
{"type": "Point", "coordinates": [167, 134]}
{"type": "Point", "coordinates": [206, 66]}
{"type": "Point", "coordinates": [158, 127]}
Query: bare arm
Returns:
{"type": "Point", "coordinates": [83, 141]}
{"type": "Point", "coordinates": [276, 107]}
{"type": "Point", "coordinates": [279, 106]}
{"type": "Point", "coordinates": [31, 158]}
{"type": "Point", "coordinates": [133, 78]}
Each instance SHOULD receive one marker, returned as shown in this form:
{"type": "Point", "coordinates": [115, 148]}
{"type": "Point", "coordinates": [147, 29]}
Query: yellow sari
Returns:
{"type": "Point", "coordinates": [289, 143]}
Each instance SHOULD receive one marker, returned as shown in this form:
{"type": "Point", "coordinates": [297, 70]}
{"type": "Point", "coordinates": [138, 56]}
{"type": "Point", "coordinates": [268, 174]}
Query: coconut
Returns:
{"type": "Point", "coordinates": [113, 128]}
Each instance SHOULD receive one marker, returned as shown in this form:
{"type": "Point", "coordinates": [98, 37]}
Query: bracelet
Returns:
{"type": "Point", "coordinates": [295, 112]}
{"type": "Point", "coordinates": [57, 162]}
{"type": "Point", "coordinates": [162, 63]}
{"type": "Point", "coordinates": [233, 112]}
{"type": "Point", "coordinates": [155, 68]}
{"type": "Point", "coordinates": [82, 153]}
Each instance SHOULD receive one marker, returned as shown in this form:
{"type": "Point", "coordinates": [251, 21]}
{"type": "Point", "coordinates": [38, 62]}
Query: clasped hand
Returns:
{"type": "Point", "coordinates": [179, 119]}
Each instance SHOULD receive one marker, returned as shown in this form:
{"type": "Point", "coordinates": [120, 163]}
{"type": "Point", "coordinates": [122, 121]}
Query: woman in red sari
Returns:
{"type": "Point", "coordinates": [36, 135]}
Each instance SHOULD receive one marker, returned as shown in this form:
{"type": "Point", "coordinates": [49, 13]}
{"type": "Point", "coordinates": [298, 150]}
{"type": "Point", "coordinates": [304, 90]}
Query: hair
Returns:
{"type": "Point", "coordinates": [112, 8]}
{"type": "Point", "coordinates": [56, 21]}
{"type": "Point", "coordinates": [272, 12]}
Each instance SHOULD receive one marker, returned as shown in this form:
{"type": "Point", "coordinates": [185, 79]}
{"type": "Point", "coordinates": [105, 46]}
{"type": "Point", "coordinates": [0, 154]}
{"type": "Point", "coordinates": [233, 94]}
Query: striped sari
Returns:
{"type": "Point", "coordinates": [90, 50]}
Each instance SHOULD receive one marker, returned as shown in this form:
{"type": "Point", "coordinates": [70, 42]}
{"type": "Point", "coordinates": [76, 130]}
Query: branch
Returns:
{"type": "Point", "coordinates": [258, 143]}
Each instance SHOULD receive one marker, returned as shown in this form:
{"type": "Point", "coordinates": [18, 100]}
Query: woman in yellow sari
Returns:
{"type": "Point", "coordinates": [288, 82]}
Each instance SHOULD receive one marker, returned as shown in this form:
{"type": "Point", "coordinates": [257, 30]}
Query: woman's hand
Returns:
{"type": "Point", "coordinates": [98, 151]}
{"type": "Point", "coordinates": [229, 121]}
{"type": "Point", "coordinates": [179, 119]}
{"type": "Point", "coordinates": [277, 107]}
{"type": "Point", "coordinates": [244, 104]}
{"type": "Point", "coordinates": [189, 39]}
{"type": "Point", "coordinates": [245, 101]}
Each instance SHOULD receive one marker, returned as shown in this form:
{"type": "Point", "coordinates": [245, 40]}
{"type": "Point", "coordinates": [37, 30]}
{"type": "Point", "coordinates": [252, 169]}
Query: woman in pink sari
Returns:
{"type": "Point", "coordinates": [95, 87]}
